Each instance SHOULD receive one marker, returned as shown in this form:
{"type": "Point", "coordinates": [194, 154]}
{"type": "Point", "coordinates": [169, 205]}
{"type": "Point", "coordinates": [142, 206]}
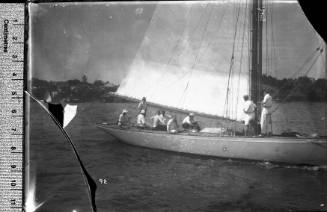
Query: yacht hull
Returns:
{"type": "Point", "coordinates": [309, 151]}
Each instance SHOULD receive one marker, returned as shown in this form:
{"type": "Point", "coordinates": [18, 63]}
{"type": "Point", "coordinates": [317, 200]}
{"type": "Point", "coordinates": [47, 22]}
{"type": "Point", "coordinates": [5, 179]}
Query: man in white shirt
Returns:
{"type": "Point", "coordinates": [158, 123]}
{"type": "Point", "coordinates": [140, 122]}
{"type": "Point", "coordinates": [265, 121]}
{"type": "Point", "coordinates": [190, 124]}
{"type": "Point", "coordinates": [249, 111]}
{"type": "Point", "coordinates": [163, 118]}
{"type": "Point", "coordinates": [172, 126]}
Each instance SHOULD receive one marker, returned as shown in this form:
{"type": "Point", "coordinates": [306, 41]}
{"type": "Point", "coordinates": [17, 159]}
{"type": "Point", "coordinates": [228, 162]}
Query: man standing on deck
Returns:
{"type": "Point", "coordinates": [265, 120]}
{"type": "Point", "coordinates": [249, 110]}
{"type": "Point", "coordinates": [142, 105]}
{"type": "Point", "coordinates": [140, 122]}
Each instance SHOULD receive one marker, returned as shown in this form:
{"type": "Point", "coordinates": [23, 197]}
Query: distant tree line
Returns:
{"type": "Point", "coordinates": [299, 89]}
{"type": "Point", "coordinates": [74, 90]}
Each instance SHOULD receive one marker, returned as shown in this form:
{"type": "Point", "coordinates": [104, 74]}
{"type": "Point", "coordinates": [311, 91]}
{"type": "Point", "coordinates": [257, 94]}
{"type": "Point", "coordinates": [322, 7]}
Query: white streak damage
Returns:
{"type": "Point", "coordinates": [69, 114]}
{"type": "Point", "coordinates": [30, 204]}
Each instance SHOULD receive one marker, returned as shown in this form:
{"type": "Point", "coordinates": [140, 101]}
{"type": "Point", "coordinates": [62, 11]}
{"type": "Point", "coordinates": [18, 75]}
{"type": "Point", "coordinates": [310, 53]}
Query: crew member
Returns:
{"type": "Point", "coordinates": [157, 122]}
{"type": "Point", "coordinates": [142, 105]}
{"type": "Point", "coordinates": [189, 123]}
{"type": "Point", "coordinates": [140, 123]}
{"type": "Point", "coordinates": [249, 111]}
{"type": "Point", "coordinates": [265, 120]}
{"type": "Point", "coordinates": [123, 119]}
{"type": "Point", "coordinates": [163, 118]}
{"type": "Point", "coordinates": [172, 126]}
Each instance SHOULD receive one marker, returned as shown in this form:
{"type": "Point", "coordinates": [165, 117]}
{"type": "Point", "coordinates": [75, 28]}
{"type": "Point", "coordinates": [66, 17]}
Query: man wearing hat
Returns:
{"type": "Point", "coordinates": [190, 124]}
{"type": "Point", "coordinates": [123, 119]}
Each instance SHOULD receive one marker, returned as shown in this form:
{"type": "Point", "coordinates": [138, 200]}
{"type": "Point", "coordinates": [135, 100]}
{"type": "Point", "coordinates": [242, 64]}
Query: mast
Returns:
{"type": "Point", "coordinates": [256, 58]}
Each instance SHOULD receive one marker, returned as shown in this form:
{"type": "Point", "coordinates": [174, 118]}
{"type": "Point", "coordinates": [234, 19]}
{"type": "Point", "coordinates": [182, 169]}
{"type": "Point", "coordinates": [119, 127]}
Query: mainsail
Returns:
{"type": "Point", "coordinates": [189, 55]}
{"type": "Point", "coordinates": [196, 55]}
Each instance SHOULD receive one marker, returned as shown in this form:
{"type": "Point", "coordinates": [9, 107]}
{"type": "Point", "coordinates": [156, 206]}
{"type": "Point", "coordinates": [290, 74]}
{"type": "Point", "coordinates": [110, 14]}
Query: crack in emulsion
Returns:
{"type": "Point", "coordinates": [87, 177]}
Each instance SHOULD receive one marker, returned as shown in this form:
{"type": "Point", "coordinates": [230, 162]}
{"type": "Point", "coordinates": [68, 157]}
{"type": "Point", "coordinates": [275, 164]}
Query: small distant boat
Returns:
{"type": "Point", "coordinates": [293, 150]}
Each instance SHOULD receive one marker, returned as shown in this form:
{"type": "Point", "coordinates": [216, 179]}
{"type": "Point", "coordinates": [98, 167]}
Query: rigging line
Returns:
{"type": "Point", "coordinates": [187, 73]}
{"type": "Point", "coordinates": [241, 63]}
{"type": "Point", "coordinates": [321, 50]}
{"type": "Point", "coordinates": [301, 68]}
{"type": "Point", "coordinates": [219, 27]}
{"type": "Point", "coordinates": [269, 37]}
{"type": "Point", "coordinates": [231, 64]}
{"type": "Point", "coordinates": [198, 55]}
{"type": "Point", "coordinates": [91, 185]}
{"type": "Point", "coordinates": [266, 35]}
{"type": "Point", "coordinates": [306, 61]}
{"type": "Point", "coordinates": [201, 17]}
{"type": "Point", "coordinates": [241, 58]}
{"type": "Point", "coordinates": [233, 92]}
{"type": "Point", "coordinates": [171, 55]}
{"type": "Point", "coordinates": [273, 41]}
{"type": "Point", "coordinates": [151, 22]}
{"type": "Point", "coordinates": [231, 85]}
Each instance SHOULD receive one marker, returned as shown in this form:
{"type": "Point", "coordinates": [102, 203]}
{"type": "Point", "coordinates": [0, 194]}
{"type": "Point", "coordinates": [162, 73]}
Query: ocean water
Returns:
{"type": "Point", "coordinates": [141, 179]}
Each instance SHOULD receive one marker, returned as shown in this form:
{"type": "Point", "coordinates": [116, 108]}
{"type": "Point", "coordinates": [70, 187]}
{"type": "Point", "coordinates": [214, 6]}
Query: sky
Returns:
{"type": "Point", "coordinates": [102, 40]}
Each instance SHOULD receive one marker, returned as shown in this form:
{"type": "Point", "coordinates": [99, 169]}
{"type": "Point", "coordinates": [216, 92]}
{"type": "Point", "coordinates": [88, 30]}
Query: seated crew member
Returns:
{"type": "Point", "coordinates": [172, 126]}
{"type": "Point", "coordinates": [140, 122]}
{"type": "Point", "coordinates": [158, 124]}
{"type": "Point", "coordinates": [189, 123]}
{"type": "Point", "coordinates": [123, 119]}
{"type": "Point", "coordinates": [249, 111]}
{"type": "Point", "coordinates": [163, 118]}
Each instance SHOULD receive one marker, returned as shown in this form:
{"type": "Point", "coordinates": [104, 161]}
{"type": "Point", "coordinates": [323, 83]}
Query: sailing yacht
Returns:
{"type": "Point", "coordinates": [206, 66]}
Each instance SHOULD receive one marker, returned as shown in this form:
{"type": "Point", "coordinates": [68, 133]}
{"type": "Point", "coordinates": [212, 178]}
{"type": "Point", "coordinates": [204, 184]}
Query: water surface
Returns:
{"type": "Point", "coordinates": [140, 179]}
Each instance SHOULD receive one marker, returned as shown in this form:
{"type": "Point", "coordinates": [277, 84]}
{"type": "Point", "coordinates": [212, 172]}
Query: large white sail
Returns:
{"type": "Point", "coordinates": [185, 59]}
{"type": "Point", "coordinates": [196, 55]}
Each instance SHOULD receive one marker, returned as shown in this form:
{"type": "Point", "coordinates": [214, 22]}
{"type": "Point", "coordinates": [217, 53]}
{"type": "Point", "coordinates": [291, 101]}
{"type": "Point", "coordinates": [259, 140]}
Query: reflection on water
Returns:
{"type": "Point", "coordinates": [140, 179]}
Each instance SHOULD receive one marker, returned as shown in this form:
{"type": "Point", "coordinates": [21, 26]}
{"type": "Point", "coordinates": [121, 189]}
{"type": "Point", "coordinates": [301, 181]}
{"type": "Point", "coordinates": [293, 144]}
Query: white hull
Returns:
{"type": "Point", "coordinates": [310, 151]}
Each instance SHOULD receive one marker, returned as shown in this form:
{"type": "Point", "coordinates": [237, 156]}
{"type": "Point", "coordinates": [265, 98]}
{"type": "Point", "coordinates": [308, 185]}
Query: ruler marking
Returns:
{"type": "Point", "coordinates": [18, 42]}
{"type": "Point", "coordinates": [17, 116]}
{"type": "Point", "coordinates": [16, 189]}
{"type": "Point", "coordinates": [12, 143]}
{"type": "Point", "coordinates": [17, 97]}
{"type": "Point", "coordinates": [17, 171]}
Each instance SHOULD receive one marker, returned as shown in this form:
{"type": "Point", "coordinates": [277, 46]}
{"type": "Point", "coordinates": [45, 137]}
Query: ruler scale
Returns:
{"type": "Point", "coordinates": [11, 106]}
